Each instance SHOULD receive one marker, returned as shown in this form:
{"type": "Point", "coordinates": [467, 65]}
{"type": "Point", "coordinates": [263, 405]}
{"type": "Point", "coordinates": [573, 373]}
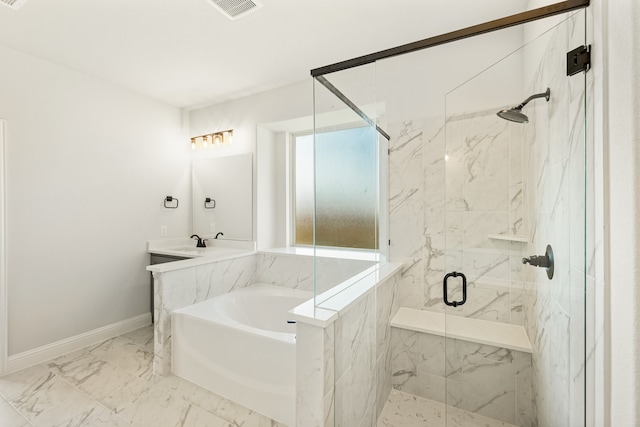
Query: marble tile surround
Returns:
{"type": "Point", "coordinates": [110, 384]}
{"type": "Point", "coordinates": [181, 288]}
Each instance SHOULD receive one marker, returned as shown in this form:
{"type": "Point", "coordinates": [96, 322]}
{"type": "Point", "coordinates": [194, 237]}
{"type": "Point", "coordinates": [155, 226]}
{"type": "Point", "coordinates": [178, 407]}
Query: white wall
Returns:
{"type": "Point", "coordinates": [88, 165]}
{"type": "Point", "coordinates": [620, 107]}
{"type": "Point", "coordinates": [267, 184]}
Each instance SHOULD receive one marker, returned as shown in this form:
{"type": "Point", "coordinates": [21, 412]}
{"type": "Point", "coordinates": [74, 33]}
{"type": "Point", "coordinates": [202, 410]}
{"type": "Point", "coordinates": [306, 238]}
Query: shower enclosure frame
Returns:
{"type": "Point", "coordinates": [475, 30]}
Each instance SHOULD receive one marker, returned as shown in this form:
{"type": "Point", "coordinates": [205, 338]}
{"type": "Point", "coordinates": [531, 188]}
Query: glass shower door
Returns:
{"type": "Point", "coordinates": [514, 283]}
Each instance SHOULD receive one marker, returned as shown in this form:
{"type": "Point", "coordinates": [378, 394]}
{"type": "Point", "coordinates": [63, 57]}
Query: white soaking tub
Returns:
{"type": "Point", "coordinates": [240, 346]}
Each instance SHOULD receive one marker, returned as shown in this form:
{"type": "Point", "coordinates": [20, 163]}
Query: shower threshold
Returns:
{"type": "Point", "coordinates": [406, 410]}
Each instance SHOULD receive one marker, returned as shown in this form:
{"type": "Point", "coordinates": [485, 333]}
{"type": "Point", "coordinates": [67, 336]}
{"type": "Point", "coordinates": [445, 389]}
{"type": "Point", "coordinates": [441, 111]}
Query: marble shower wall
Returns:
{"type": "Point", "coordinates": [484, 198]}
{"type": "Point", "coordinates": [442, 213]}
{"type": "Point", "coordinates": [416, 210]}
{"type": "Point", "coordinates": [555, 199]}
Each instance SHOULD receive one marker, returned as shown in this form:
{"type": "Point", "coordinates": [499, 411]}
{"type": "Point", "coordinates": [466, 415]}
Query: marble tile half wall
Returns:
{"type": "Point", "coordinates": [343, 370]}
{"type": "Point", "coordinates": [187, 286]}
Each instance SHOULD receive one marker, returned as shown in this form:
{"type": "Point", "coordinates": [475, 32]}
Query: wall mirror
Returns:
{"type": "Point", "coordinates": [223, 197]}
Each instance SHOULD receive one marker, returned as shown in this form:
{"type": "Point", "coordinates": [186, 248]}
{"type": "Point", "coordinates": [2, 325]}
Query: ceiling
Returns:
{"type": "Point", "coordinates": [188, 54]}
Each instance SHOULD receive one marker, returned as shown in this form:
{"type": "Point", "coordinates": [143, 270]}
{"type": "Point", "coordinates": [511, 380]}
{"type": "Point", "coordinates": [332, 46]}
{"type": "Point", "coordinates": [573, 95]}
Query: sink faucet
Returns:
{"type": "Point", "coordinates": [219, 234]}
{"type": "Point", "coordinates": [200, 243]}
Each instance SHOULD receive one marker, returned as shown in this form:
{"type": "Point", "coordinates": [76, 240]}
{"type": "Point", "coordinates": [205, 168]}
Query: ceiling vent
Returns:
{"type": "Point", "coordinates": [13, 4]}
{"type": "Point", "coordinates": [233, 9]}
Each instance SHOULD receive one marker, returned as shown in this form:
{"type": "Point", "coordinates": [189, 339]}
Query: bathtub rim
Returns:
{"type": "Point", "coordinates": [215, 316]}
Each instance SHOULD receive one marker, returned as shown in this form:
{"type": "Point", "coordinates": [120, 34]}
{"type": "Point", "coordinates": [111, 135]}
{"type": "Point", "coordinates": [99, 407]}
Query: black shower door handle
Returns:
{"type": "Point", "coordinates": [464, 289]}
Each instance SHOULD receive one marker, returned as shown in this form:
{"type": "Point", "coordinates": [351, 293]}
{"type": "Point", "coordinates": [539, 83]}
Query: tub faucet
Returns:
{"type": "Point", "coordinates": [219, 234]}
{"type": "Point", "coordinates": [200, 243]}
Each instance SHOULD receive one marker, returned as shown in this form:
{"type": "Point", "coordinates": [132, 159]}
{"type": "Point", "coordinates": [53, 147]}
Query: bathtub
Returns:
{"type": "Point", "coordinates": [240, 346]}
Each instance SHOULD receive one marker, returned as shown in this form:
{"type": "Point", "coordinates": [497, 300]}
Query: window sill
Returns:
{"type": "Point", "coordinates": [326, 252]}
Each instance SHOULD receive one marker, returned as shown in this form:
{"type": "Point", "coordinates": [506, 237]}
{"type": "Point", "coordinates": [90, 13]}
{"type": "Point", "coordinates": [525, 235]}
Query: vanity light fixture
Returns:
{"type": "Point", "coordinates": [215, 138]}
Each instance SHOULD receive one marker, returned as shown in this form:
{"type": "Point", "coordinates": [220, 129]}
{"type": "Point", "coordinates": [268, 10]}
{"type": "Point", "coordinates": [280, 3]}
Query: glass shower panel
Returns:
{"type": "Point", "coordinates": [515, 203]}
{"type": "Point", "coordinates": [347, 179]}
{"type": "Point", "coordinates": [350, 176]}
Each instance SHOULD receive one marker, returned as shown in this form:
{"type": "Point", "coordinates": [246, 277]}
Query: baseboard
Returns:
{"type": "Point", "coordinates": [50, 351]}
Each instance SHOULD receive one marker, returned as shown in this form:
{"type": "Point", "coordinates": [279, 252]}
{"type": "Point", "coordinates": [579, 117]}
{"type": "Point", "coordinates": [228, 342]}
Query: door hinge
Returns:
{"type": "Point", "coordinates": [579, 60]}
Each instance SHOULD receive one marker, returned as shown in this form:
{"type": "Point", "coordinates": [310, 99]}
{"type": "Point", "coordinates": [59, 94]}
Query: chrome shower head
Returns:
{"type": "Point", "coordinates": [516, 115]}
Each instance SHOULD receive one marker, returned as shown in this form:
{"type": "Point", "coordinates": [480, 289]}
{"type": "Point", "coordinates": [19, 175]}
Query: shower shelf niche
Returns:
{"type": "Point", "coordinates": [509, 237]}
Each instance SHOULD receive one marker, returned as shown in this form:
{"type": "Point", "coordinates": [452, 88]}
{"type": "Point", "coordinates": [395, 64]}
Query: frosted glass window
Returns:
{"type": "Point", "coordinates": [346, 188]}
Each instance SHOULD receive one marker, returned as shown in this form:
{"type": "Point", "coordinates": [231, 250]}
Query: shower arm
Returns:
{"type": "Point", "coordinates": [546, 94]}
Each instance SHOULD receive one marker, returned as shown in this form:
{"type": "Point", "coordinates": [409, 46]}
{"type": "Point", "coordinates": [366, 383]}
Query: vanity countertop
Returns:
{"type": "Point", "coordinates": [194, 252]}
{"type": "Point", "coordinates": [218, 250]}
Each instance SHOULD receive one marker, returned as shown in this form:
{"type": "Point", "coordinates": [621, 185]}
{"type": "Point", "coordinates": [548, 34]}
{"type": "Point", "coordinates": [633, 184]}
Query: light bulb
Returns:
{"type": "Point", "coordinates": [227, 136]}
{"type": "Point", "coordinates": [205, 141]}
{"type": "Point", "coordinates": [193, 143]}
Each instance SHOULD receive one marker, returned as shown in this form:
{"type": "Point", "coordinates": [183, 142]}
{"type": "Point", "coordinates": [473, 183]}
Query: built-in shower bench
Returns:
{"type": "Point", "coordinates": [497, 334]}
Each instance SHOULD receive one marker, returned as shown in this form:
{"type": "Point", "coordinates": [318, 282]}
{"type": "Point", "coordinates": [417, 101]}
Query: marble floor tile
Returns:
{"type": "Point", "coordinates": [110, 384]}
{"type": "Point", "coordinates": [142, 337]}
{"type": "Point", "coordinates": [10, 417]}
{"type": "Point", "coordinates": [126, 354]}
{"type": "Point", "coordinates": [55, 402]}
{"type": "Point", "coordinates": [101, 417]}
{"type": "Point", "coordinates": [102, 381]}
{"type": "Point", "coordinates": [156, 408]}
{"type": "Point", "coordinates": [14, 385]}
{"type": "Point", "coordinates": [209, 401]}
{"type": "Point", "coordinates": [406, 410]}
